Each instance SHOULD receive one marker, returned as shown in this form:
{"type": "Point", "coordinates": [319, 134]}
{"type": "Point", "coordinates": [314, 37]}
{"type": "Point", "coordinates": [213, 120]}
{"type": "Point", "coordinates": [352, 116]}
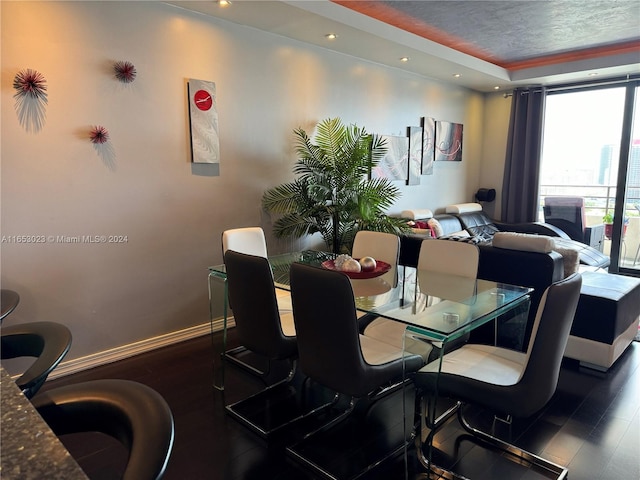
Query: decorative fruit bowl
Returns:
{"type": "Point", "coordinates": [381, 269]}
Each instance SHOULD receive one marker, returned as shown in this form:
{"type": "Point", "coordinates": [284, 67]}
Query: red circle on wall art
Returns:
{"type": "Point", "coordinates": [203, 100]}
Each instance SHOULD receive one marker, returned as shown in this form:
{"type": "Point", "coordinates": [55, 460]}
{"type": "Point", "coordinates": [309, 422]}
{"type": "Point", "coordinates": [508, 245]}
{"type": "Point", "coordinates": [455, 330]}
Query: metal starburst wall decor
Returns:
{"type": "Point", "coordinates": [99, 135]}
{"type": "Point", "coordinates": [101, 141]}
{"type": "Point", "coordinates": [31, 99]}
{"type": "Point", "coordinates": [125, 71]}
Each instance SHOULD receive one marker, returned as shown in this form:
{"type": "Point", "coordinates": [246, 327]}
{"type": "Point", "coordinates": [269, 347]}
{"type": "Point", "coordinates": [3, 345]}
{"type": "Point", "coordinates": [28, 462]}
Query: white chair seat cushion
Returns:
{"type": "Point", "coordinates": [286, 322]}
{"type": "Point", "coordinates": [376, 352]}
{"type": "Point", "coordinates": [392, 333]}
{"type": "Point", "coordinates": [283, 297]}
{"type": "Point", "coordinates": [498, 366]}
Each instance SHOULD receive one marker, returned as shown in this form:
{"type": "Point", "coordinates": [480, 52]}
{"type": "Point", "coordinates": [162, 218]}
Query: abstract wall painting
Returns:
{"type": "Point", "coordinates": [428, 125]}
{"type": "Point", "coordinates": [394, 165]}
{"type": "Point", "coordinates": [448, 142]}
{"type": "Point", "coordinates": [415, 155]}
{"type": "Point", "coordinates": [203, 120]}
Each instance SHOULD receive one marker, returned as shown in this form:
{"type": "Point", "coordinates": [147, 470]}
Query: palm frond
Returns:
{"type": "Point", "coordinates": [332, 195]}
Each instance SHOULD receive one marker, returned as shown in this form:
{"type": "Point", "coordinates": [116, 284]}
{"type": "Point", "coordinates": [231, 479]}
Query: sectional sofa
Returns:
{"type": "Point", "coordinates": [609, 308]}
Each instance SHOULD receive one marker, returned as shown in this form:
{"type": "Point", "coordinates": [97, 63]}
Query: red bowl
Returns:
{"type": "Point", "coordinates": [381, 269]}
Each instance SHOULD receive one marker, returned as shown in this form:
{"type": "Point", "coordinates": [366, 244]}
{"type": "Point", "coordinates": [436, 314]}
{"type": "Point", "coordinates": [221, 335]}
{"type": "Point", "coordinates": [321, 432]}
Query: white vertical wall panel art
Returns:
{"type": "Point", "coordinates": [203, 121]}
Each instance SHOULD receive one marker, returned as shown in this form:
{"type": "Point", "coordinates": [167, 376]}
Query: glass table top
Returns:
{"type": "Point", "coordinates": [442, 306]}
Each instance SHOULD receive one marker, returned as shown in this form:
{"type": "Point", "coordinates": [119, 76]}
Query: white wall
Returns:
{"type": "Point", "coordinates": [54, 182]}
{"type": "Point", "coordinates": [497, 110]}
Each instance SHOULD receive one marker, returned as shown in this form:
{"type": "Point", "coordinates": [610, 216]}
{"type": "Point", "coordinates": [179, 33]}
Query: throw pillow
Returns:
{"type": "Point", "coordinates": [461, 233]}
{"type": "Point", "coordinates": [570, 259]}
{"type": "Point", "coordinates": [463, 238]}
{"type": "Point", "coordinates": [436, 227]}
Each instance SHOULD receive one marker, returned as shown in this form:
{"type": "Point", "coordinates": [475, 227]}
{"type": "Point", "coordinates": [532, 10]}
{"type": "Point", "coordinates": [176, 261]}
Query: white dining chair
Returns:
{"type": "Point", "coordinates": [251, 241]}
{"type": "Point", "coordinates": [381, 246]}
{"type": "Point", "coordinates": [435, 257]}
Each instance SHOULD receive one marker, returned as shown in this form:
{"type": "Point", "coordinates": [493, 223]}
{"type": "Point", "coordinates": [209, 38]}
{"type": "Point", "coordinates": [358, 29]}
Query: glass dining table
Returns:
{"type": "Point", "coordinates": [437, 309]}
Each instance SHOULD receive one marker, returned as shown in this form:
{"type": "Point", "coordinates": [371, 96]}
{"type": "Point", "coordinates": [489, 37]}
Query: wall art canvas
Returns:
{"type": "Point", "coordinates": [448, 142]}
{"type": "Point", "coordinates": [394, 165]}
{"type": "Point", "coordinates": [415, 155]}
{"type": "Point", "coordinates": [203, 121]}
{"type": "Point", "coordinates": [428, 125]}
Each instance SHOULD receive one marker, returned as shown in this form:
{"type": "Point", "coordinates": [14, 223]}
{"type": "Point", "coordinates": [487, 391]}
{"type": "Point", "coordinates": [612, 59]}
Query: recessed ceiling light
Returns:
{"type": "Point", "coordinates": [224, 3]}
{"type": "Point", "coordinates": [404, 59]}
{"type": "Point", "coordinates": [331, 36]}
{"type": "Point", "coordinates": [456, 75]}
{"type": "Point", "coordinates": [497, 87]}
{"type": "Point", "coordinates": [593, 74]}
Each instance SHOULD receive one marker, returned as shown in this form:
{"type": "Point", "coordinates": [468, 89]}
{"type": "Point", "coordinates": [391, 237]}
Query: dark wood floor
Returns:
{"type": "Point", "coordinates": [592, 425]}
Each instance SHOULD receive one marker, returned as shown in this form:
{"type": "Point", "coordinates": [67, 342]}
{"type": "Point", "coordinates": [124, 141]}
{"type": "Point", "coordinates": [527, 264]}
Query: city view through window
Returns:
{"type": "Point", "coordinates": [581, 157]}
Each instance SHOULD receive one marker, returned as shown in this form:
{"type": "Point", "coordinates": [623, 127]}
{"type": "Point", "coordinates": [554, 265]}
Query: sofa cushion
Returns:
{"type": "Point", "coordinates": [463, 208]}
{"type": "Point", "coordinates": [417, 214]}
{"type": "Point", "coordinates": [463, 238]}
{"type": "Point", "coordinates": [523, 241]}
{"type": "Point", "coordinates": [449, 223]}
{"type": "Point", "coordinates": [588, 255]}
{"type": "Point", "coordinates": [435, 227]}
{"type": "Point", "coordinates": [570, 258]}
{"type": "Point", "coordinates": [478, 223]}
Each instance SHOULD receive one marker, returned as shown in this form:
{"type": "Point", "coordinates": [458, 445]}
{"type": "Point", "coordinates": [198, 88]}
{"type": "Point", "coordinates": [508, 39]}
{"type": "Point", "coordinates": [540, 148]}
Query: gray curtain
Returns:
{"type": "Point", "coordinates": [522, 165]}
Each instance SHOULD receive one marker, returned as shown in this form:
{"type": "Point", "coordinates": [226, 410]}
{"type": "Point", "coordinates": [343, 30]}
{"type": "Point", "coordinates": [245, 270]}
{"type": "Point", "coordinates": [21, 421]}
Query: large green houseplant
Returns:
{"type": "Point", "coordinates": [333, 194]}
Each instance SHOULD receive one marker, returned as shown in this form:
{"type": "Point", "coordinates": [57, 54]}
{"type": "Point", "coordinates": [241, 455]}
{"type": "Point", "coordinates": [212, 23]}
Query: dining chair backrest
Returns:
{"type": "Point", "coordinates": [255, 307]}
{"type": "Point", "coordinates": [551, 330]}
{"type": "Point", "coordinates": [381, 246]}
{"type": "Point", "coordinates": [506, 381]}
{"type": "Point", "coordinates": [250, 240]}
{"type": "Point", "coordinates": [447, 256]}
{"type": "Point", "coordinates": [329, 343]}
{"type": "Point", "coordinates": [325, 315]}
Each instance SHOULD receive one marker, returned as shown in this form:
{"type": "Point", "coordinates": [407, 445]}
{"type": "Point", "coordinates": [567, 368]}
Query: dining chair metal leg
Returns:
{"type": "Point", "coordinates": [517, 452]}
{"type": "Point", "coordinates": [298, 451]}
{"type": "Point", "coordinates": [522, 456]}
{"type": "Point", "coordinates": [260, 412]}
{"type": "Point", "coordinates": [231, 355]}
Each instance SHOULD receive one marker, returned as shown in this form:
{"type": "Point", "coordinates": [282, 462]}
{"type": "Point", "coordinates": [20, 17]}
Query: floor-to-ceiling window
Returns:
{"type": "Point", "coordinates": [591, 150]}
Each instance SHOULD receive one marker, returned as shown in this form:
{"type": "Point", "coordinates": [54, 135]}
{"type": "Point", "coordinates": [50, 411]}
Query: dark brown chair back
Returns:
{"type": "Point", "coordinates": [255, 308]}
{"type": "Point", "coordinates": [327, 329]}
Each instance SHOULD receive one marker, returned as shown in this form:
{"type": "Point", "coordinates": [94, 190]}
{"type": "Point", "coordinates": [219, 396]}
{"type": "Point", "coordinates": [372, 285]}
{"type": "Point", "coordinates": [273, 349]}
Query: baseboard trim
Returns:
{"type": "Point", "coordinates": [125, 351]}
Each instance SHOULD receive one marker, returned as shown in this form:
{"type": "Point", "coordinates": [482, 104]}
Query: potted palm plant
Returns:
{"type": "Point", "coordinates": [333, 194]}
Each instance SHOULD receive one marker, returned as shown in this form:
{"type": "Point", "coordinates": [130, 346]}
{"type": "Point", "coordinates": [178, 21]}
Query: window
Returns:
{"type": "Point", "coordinates": [588, 138]}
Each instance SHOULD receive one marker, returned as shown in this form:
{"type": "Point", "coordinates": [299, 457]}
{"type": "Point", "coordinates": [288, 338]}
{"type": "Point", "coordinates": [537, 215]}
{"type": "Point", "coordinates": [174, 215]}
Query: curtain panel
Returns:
{"type": "Point", "coordinates": [520, 184]}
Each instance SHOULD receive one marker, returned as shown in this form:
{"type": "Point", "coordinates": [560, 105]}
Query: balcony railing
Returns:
{"type": "Point", "coordinates": [599, 200]}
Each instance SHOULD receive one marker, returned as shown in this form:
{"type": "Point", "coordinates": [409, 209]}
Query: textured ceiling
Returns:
{"type": "Point", "coordinates": [508, 33]}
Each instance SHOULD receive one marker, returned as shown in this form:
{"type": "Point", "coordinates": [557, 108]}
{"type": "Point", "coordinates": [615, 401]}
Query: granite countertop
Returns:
{"type": "Point", "coordinates": [28, 447]}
